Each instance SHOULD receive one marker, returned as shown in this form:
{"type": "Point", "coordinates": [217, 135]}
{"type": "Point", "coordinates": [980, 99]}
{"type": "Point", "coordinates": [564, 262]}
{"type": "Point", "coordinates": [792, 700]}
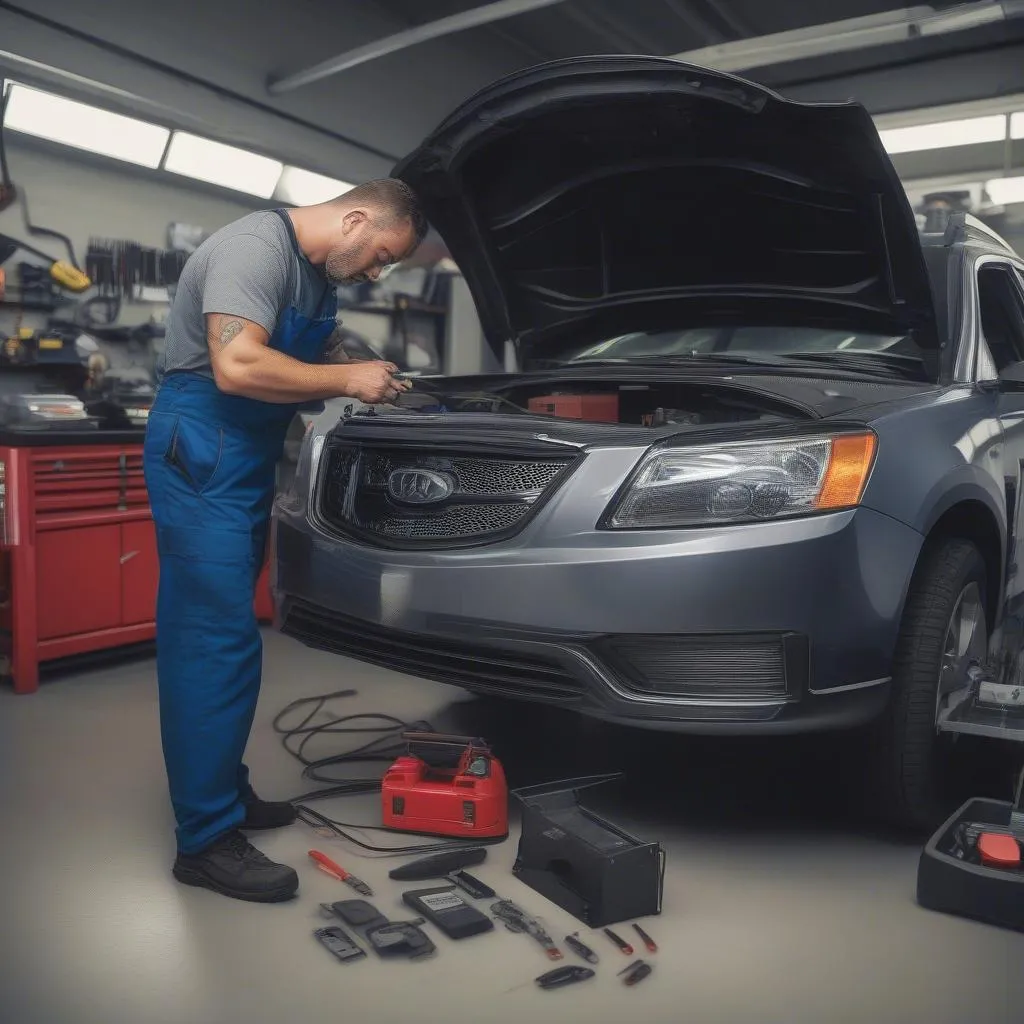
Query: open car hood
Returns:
{"type": "Point", "coordinates": [600, 195]}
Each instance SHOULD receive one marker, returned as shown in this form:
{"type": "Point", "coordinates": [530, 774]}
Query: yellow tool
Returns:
{"type": "Point", "coordinates": [66, 274]}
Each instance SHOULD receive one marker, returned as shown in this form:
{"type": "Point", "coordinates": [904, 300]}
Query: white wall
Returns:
{"type": "Point", "coordinates": [82, 199]}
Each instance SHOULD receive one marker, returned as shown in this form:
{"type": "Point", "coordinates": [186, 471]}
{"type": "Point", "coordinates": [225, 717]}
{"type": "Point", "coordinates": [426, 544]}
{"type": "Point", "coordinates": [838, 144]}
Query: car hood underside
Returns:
{"type": "Point", "coordinates": [593, 196]}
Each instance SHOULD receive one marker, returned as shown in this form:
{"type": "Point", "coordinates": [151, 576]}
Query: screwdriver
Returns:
{"type": "Point", "coordinates": [326, 865]}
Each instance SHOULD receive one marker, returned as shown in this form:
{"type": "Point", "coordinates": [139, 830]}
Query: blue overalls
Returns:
{"type": "Point", "coordinates": [210, 465]}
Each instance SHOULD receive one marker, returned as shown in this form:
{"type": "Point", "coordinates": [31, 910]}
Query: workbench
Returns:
{"type": "Point", "coordinates": [78, 558]}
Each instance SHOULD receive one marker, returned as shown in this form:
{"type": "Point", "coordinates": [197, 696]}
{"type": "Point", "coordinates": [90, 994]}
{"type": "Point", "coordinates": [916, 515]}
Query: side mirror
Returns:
{"type": "Point", "coordinates": [1012, 376]}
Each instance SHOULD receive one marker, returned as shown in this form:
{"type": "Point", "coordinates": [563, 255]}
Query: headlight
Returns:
{"type": "Point", "coordinates": [296, 472]}
{"type": "Point", "coordinates": [745, 482]}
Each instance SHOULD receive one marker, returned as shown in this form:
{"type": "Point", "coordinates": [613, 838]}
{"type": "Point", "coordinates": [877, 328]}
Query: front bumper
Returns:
{"type": "Point", "coordinates": [781, 627]}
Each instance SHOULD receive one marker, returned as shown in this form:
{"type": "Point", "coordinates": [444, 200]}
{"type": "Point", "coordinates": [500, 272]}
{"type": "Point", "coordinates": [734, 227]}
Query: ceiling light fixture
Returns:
{"type": "Point", "coordinates": [304, 188]}
{"type": "Point", "coordinates": [218, 164]}
{"type": "Point", "coordinates": [944, 134]}
{"type": "Point", "coordinates": [1005, 191]}
{"type": "Point", "coordinates": [70, 123]}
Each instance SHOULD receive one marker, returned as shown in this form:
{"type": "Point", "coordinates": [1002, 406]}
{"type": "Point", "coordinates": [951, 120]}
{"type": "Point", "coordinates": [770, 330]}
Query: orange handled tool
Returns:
{"type": "Point", "coordinates": [325, 864]}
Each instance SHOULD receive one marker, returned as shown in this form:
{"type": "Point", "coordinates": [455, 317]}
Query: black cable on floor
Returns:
{"type": "Point", "coordinates": [386, 746]}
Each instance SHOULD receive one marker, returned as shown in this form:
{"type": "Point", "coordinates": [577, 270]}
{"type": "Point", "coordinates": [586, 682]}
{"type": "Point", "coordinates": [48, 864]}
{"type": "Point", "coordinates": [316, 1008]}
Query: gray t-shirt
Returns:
{"type": "Point", "coordinates": [248, 269]}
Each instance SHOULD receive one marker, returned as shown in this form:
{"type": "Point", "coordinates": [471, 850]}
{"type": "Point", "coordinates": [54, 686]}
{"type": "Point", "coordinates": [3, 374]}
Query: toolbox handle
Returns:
{"type": "Point", "coordinates": [446, 739]}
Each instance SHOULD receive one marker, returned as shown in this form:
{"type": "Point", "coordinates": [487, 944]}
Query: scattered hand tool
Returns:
{"type": "Point", "coordinates": [328, 866]}
{"type": "Point", "coordinates": [559, 978]}
{"type": "Point", "coordinates": [438, 865]}
{"type": "Point", "coordinates": [517, 920]}
{"type": "Point", "coordinates": [652, 946]}
{"type": "Point", "coordinates": [635, 972]}
{"type": "Point", "coordinates": [581, 948]}
{"type": "Point", "coordinates": [620, 942]}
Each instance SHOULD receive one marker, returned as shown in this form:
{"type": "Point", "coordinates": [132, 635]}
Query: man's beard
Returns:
{"type": "Point", "coordinates": [341, 264]}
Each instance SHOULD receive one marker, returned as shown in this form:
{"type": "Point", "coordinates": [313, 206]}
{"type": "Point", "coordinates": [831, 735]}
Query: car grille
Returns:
{"type": "Point", "coordinates": [474, 666]}
{"type": "Point", "coordinates": [478, 497]}
{"type": "Point", "coordinates": [712, 667]}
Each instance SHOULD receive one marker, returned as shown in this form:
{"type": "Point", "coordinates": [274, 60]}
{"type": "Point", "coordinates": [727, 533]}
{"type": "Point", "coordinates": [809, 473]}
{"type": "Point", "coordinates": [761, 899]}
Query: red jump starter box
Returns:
{"type": "Point", "coordinates": [595, 408]}
{"type": "Point", "coordinates": [446, 786]}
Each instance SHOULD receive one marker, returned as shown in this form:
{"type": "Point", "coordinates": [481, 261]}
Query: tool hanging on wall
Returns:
{"type": "Point", "coordinates": [122, 268]}
{"type": "Point", "coordinates": [68, 273]}
{"type": "Point", "coordinates": [61, 271]}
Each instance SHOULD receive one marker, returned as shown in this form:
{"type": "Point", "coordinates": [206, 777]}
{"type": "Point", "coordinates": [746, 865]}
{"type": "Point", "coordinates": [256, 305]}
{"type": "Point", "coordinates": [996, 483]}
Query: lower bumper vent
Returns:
{"type": "Point", "coordinates": [474, 666]}
{"type": "Point", "coordinates": [711, 667]}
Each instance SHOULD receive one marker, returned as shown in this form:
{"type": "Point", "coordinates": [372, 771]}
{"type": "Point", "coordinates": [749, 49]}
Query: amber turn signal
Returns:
{"type": "Point", "coordinates": [848, 468]}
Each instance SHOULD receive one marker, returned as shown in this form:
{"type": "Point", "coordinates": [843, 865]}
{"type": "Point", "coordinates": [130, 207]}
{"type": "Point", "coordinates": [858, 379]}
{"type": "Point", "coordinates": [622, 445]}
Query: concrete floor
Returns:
{"type": "Point", "coordinates": [779, 908]}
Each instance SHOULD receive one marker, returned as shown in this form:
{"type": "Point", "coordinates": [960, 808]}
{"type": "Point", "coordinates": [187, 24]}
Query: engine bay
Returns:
{"type": "Point", "coordinates": [634, 404]}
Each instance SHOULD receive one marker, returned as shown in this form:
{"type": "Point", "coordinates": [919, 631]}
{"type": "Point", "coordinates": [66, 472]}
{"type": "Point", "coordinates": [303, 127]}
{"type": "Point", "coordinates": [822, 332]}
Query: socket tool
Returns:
{"type": "Point", "coordinates": [581, 948]}
{"type": "Point", "coordinates": [329, 867]}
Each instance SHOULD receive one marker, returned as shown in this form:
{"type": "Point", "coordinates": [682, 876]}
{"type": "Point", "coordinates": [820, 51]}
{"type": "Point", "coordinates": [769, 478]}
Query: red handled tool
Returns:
{"type": "Point", "coordinates": [328, 867]}
{"type": "Point", "coordinates": [652, 946]}
{"type": "Point", "coordinates": [619, 941]}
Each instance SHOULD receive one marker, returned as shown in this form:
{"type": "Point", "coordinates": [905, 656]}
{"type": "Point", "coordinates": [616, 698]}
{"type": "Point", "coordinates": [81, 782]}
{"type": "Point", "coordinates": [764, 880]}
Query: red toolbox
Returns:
{"type": "Point", "coordinates": [78, 560]}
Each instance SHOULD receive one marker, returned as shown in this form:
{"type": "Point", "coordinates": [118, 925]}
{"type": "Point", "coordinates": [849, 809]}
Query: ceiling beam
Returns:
{"type": "Point", "coordinates": [486, 14]}
{"type": "Point", "coordinates": [886, 28]}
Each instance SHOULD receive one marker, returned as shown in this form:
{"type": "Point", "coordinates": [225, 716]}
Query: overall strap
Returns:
{"type": "Point", "coordinates": [299, 256]}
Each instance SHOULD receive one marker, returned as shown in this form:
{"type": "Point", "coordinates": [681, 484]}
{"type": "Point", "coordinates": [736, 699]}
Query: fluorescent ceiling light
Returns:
{"type": "Point", "coordinates": [1004, 191]}
{"type": "Point", "coordinates": [84, 127]}
{"type": "Point", "coordinates": [1017, 126]}
{"type": "Point", "coordinates": [218, 164]}
{"type": "Point", "coordinates": [304, 188]}
{"type": "Point", "coordinates": [945, 134]}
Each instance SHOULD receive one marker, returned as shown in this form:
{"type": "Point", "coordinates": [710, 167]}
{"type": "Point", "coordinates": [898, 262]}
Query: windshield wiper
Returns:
{"type": "Point", "coordinates": [872, 362]}
{"type": "Point", "coordinates": [696, 357]}
{"type": "Point", "coordinates": [905, 366]}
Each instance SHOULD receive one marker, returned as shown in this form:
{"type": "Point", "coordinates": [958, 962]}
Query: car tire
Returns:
{"type": "Point", "coordinates": [913, 772]}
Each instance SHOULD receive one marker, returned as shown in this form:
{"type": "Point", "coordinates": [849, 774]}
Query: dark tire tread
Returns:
{"type": "Point", "coordinates": [904, 787]}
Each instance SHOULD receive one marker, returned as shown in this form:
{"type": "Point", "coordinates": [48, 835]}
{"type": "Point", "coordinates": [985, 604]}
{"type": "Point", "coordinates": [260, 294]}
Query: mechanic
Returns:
{"type": "Point", "coordinates": [248, 344]}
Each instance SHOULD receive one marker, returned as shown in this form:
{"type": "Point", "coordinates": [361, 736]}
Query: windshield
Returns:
{"type": "Point", "coordinates": [745, 341]}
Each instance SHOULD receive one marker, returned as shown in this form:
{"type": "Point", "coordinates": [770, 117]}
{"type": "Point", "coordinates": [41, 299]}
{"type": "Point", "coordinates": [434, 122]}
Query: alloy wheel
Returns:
{"type": "Point", "coordinates": [964, 650]}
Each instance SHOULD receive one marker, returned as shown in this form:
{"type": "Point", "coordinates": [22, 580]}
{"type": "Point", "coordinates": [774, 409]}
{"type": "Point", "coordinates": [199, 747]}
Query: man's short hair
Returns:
{"type": "Point", "coordinates": [394, 198]}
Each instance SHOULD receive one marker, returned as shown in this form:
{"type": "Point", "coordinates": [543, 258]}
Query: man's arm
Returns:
{"type": "Point", "coordinates": [246, 286]}
{"type": "Point", "coordinates": [334, 350]}
{"type": "Point", "coordinates": [244, 364]}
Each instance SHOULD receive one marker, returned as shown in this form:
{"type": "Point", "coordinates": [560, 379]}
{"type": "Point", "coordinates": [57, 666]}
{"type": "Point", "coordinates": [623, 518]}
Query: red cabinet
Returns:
{"type": "Point", "coordinates": [140, 572]}
{"type": "Point", "coordinates": [74, 568]}
{"type": "Point", "coordinates": [78, 558]}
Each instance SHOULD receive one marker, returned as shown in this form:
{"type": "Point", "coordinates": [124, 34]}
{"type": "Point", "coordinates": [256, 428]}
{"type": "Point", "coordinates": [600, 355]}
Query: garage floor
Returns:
{"type": "Point", "coordinates": [778, 906]}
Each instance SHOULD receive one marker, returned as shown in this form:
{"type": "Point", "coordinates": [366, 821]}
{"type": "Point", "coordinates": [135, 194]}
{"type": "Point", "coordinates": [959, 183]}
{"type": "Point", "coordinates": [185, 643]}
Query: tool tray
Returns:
{"type": "Point", "coordinates": [953, 886]}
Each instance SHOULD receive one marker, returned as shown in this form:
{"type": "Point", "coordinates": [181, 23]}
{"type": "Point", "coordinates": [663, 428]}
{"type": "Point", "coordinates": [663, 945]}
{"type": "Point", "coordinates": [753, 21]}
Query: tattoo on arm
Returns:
{"type": "Point", "coordinates": [229, 330]}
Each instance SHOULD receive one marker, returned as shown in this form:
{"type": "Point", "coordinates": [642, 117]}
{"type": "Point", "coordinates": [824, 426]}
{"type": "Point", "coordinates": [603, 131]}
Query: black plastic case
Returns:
{"type": "Point", "coordinates": [446, 909]}
{"type": "Point", "coordinates": [953, 886]}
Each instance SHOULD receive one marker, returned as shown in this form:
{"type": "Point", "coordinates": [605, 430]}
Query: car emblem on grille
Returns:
{"type": "Point", "coordinates": [419, 486]}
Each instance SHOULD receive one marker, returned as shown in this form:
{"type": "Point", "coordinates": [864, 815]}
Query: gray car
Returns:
{"type": "Point", "coordinates": [760, 468]}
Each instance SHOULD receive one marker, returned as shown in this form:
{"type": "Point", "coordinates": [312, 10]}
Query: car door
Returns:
{"type": "Point", "coordinates": [1000, 291]}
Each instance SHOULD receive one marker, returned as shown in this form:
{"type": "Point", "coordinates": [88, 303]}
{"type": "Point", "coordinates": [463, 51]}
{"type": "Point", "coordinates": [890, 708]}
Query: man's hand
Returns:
{"type": "Point", "coordinates": [371, 382]}
{"type": "Point", "coordinates": [244, 364]}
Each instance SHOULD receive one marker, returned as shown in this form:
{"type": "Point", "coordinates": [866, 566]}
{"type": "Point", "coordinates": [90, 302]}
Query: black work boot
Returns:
{"type": "Point", "coordinates": [232, 866]}
{"type": "Point", "coordinates": [264, 814]}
